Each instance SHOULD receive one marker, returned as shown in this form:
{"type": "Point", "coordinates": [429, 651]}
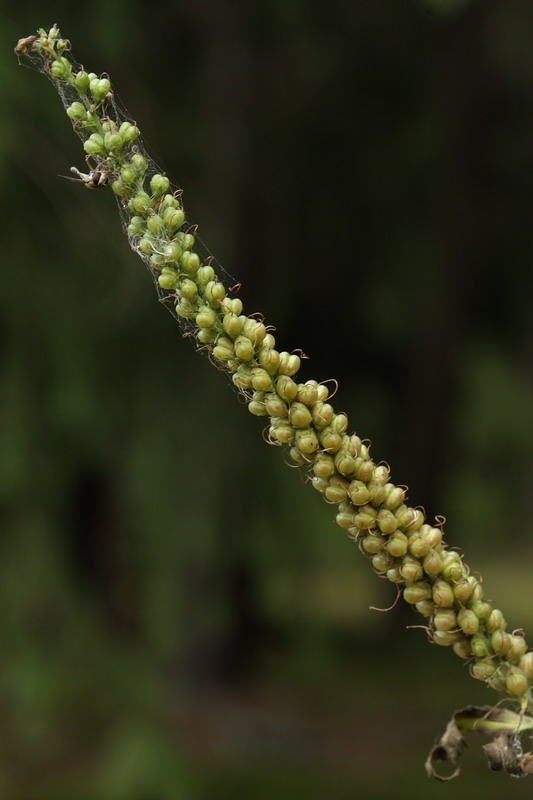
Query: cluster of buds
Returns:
{"type": "Point", "coordinates": [401, 546]}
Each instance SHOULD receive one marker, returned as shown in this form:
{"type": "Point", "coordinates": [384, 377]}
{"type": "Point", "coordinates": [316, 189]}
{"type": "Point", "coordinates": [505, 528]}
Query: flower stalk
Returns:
{"type": "Point", "coordinates": [401, 545]}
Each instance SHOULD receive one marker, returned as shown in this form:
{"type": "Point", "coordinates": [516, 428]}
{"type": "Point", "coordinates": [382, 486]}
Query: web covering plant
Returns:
{"type": "Point", "coordinates": [394, 536]}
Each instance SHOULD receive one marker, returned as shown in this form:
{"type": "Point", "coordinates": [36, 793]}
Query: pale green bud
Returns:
{"type": "Point", "coordinates": [159, 184]}
{"type": "Point", "coordinates": [206, 318]}
{"type": "Point", "coordinates": [118, 187]}
{"type": "Point", "coordinates": [306, 440]}
{"type": "Point", "coordinates": [154, 223]}
{"type": "Point", "coordinates": [99, 88]}
{"type": "Point", "coordinates": [244, 349]}
{"type": "Point", "coordinates": [141, 202]}
{"type": "Point", "coordinates": [289, 364]}
{"type": "Point", "coordinates": [190, 262]}
{"type": "Point", "coordinates": [76, 111]}
{"type": "Point", "coordinates": [94, 145]}
{"type": "Point", "coordinates": [139, 163]}
{"type": "Point", "coordinates": [128, 132]}
{"type": "Point", "coordinates": [112, 141]}
{"type": "Point", "coordinates": [81, 81]}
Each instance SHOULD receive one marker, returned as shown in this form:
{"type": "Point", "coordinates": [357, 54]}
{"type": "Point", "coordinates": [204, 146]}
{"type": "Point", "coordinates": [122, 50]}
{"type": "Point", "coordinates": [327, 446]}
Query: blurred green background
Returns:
{"type": "Point", "coordinates": [180, 617]}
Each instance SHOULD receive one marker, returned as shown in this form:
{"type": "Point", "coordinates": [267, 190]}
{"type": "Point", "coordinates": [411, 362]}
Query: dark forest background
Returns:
{"type": "Point", "coordinates": [179, 616]}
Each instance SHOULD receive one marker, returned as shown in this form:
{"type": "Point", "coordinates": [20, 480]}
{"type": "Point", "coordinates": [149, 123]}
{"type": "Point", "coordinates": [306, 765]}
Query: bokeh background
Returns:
{"type": "Point", "coordinates": [179, 616]}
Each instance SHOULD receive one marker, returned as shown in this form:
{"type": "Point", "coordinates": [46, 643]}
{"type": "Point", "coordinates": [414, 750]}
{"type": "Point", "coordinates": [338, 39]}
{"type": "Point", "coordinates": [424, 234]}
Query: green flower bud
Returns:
{"type": "Point", "coordinates": [480, 646]}
{"type": "Point", "coordinates": [157, 261]}
{"type": "Point", "coordinates": [206, 335]}
{"type": "Point", "coordinates": [137, 226]}
{"type": "Point", "coordinates": [394, 576]}
{"type": "Point", "coordinates": [373, 543]}
{"type": "Point", "coordinates": [308, 393]}
{"type": "Point", "coordinates": [411, 569]}
{"type": "Point", "coordinates": [99, 88]}
{"type": "Point", "coordinates": [118, 187]}
{"type": "Point", "coordinates": [452, 568]}
{"type": "Point", "coordinates": [382, 562]}
{"type": "Point", "coordinates": [154, 223]}
{"type": "Point", "coordinates": [146, 245]}
{"type": "Point", "coordinates": [359, 494]}
{"type": "Point", "coordinates": [418, 546]}
{"type": "Point", "coordinates": [365, 518]}
{"type": "Point", "coordinates": [320, 484]}
{"type": "Point", "coordinates": [76, 111]}
{"type": "Point", "coordinates": [464, 588]}
{"type": "Point", "coordinates": [60, 69]}
{"type": "Point", "coordinates": [395, 496]}
{"type": "Point", "coordinates": [242, 377]}
{"type": "Point", "coordinates": [446, 638]}
{"type": "Point", "coordinates": [443, 594]}
{"type": "Point", "coordinates": [244, 349]}
{"type": "Point", "coordinates": [526, 665]}
{"type": "Point", "coordinates": [299, 416]}
{"type": "Point", "coordinates": [364, 469]}
{"type": "Point", "coordinates": [462, 648]}
{"type": "Point", "coordinates": [517, 647]}
{"type": "Point", "coordinates": [496, 621]}
{"type": "Point", "coordinates": [344, 462]}
{"type": "Point", "coordinates": [387, 522]}
{"type": "Point", "coordinates": [500, 642]}
{"type": "Point", "coordinates": [261, 380]}
{"type": "Point", "coordinates": [405, 515]}
{"type": "Point", "coordinates": [233, 326]}
{"type": "Point", "coordinates": [94, 145]}
{"type": "Point", "coordinates": [433, 536]}
{"type": "Point", "coordinates": [257, 406]}
{"type": "Point", "coordinates": [214, 293]}
{"type": "Point", "coordinates": [159, 184]}
{"type": "Point", "coordinates": [516, 682]}
{"type": "Point", "coordinates": [377, 493]}
{"type": "Point", "coordinates": [282, 431]}
{"type": "Point", "coordinates": [322, 414]}
{"type": "Point", "coordinates": [339, 423]}
{"type": "Point", "coordinates": [190, 262]}
{"type": "Point", "coordinates": [289, 364]}
{"type": "Point", "coordinates": [330, 440]}
{"type": "Point", "coordinates": [141, 202]}
{"type": "Point", "coordinates": [167, 280]}
{"type": "Point", "coordinates": [204, 274]}
{"type": "Point", "coordinates": [185, 309]}
{"type": "Point", "coordinates": [128, 175]}
{"type": "Point", "coordinates": [112, 142]}
{"type": "Point", "coordinates": [276, 407]}
{"type": "Point", "coordinates": [188, 289]}
{"type": "Point", "coordinates": [172, 251]}
{"type": "Point", "coordinates": [444, 619]}
{"type": "Point", "coordinates": [206, 318]}
{"type": "Point", "coordinates": [416, 592]}
{"type": "Point", "coordinates": [483, 669]}
{"type": "Point", "coordinates": [468, 621]}
{"type": "Point", "coordinates": [381, 472]}
{"type": "Point", "coordinates": [425, 607]}
{"type": "Point", "coordinates": [336, 490]}
{"type": "Point", "coordinates": [397, 544]}
{"type": "Point", "coordinates": [306, 441]}
{"type": "Point", "coordinates": [173, 218]}
{"type": "Point", "coordinates": [286, 388]}
{"type": "Point", "coordinates": [481, 609]}
{"type": "Point", "coordinates": [323, 465]}
{"type": "Point", "coordinates": [81, 81]}
{"type": "Point", "coordinates": [269, 359]}
{"type": "Point", "coordinates": [298, 457]}
{"type": "Point", "coordinates": [139, 163]}
{"type": "Point", "coordinates": [432, 564]}
{"type": "Point", "coordinates": [128, 132]}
